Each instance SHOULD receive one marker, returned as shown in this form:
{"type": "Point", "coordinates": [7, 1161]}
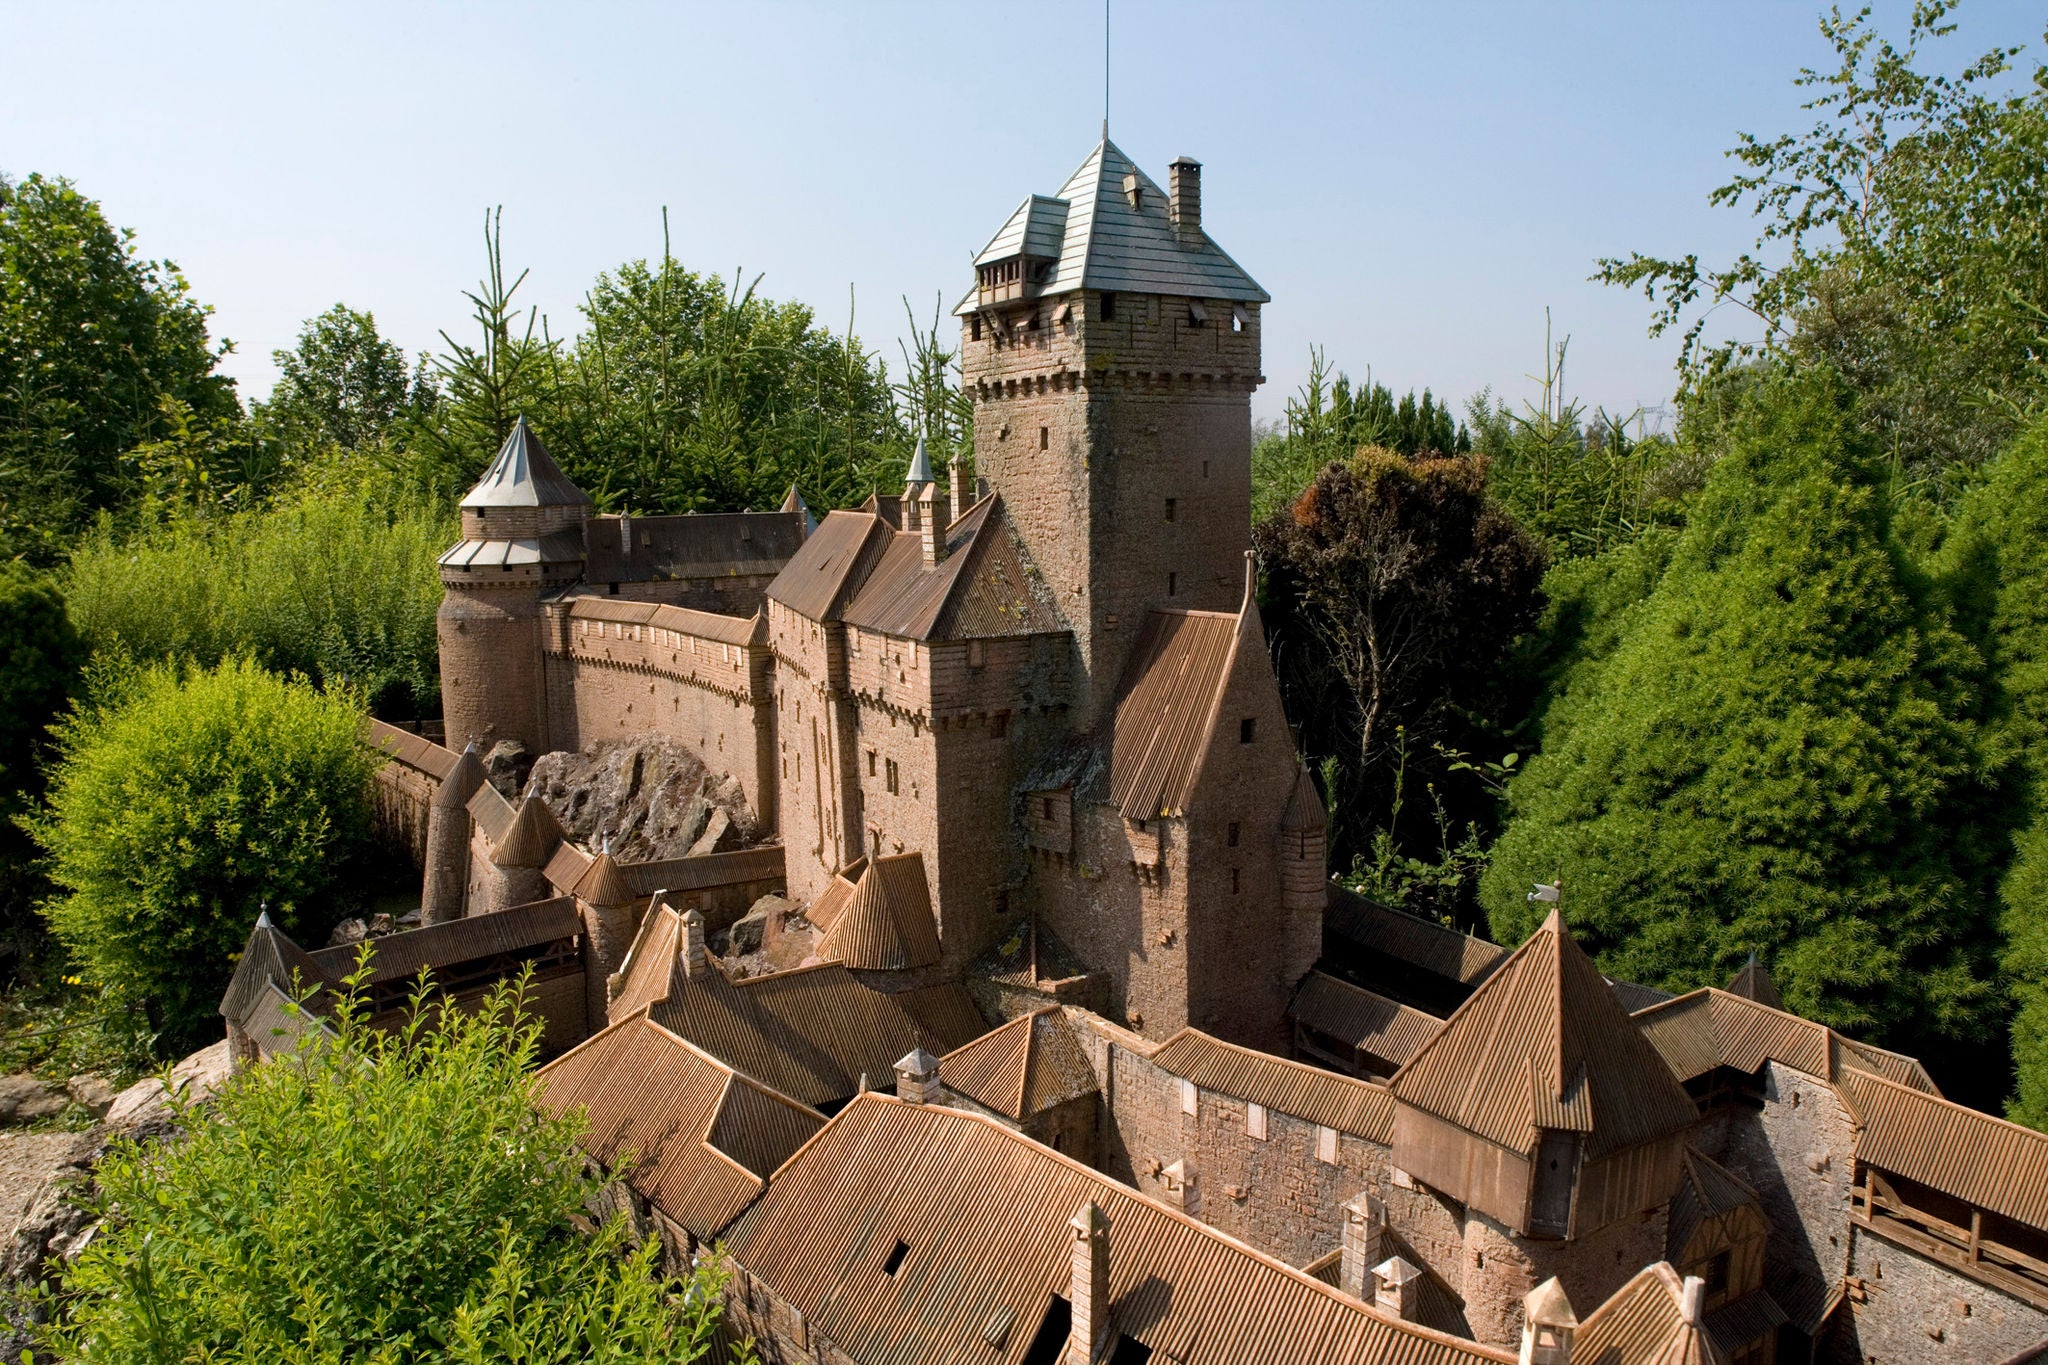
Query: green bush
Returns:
{"type": "Point", "coordinates": [183, 800]}
{"type": "Point", "coordinates": [1779, 756]}
{"type": "Point", "coordinates": [337, 581]}
{"type": "Point", "coordinates": [380, 1198]}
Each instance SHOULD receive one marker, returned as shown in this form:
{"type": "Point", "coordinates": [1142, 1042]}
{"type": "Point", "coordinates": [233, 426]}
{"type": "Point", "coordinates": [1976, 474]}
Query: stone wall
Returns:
{"type": "Point", "coordinates": [1915, 1309]}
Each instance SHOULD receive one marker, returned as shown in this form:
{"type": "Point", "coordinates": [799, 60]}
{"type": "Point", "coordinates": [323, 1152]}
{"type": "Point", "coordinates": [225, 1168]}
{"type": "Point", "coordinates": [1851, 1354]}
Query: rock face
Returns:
{"type": "Point", "coordinates": [24, 1099]}
{"type": "Point", "coordinates": [651, 796]}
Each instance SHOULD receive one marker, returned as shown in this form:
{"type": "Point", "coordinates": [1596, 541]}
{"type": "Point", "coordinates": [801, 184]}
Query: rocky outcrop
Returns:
{"type": "Point", "coordinates": [651, 797]}
{"type": "Point", "coordinates": [61, 1217]}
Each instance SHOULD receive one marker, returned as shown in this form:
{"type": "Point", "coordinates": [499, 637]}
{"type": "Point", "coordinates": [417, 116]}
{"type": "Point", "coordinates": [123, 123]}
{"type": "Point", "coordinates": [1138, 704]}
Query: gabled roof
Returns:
{"type": "Point", "coordinates": [702, 1138]}
{"type": "Point", "coordinates": [1754, 981]}
{"type": "Point", "coordinates": [1706, 1190]}
{"type": "Point", "coordinates": [1543, 1044]}
{"type": "Point", "coordinates": [1712, 1028]}
{"type": "Point", "coordinates": [983, 1214]}
{"type": "Point", "coordinates": [980, 589]}
{"type": "Point", "coordinates": [524, 475]}
{"type": "Point", "coordinates": [1029, 1065]}
{"type": "Point", "coordinates": [270, 958]}
{"type": "Point", "coordinates": [830, 564]}
{"type": "Point", "coordinates": [1960, 1151]}
{"type": "Point", "coordinates": [811, 1033]}
{"type": "Point", "coordinates": [1364, 1019]}
{"type": "Point", "coordinates": [945, 1015]}
{"type": "Point", "coordinates": [639, 549]}
{"type": "Point", "coordinates": [1644, 1323]}
{"type": "Point", "coordinates": [1106, 244]}
{"type": "Point", "coordinates": [1310, 1093]}
{"type": "Point", "coordinates": [703, 625]}
{"type": "Point", "coordinates": [886, 924]}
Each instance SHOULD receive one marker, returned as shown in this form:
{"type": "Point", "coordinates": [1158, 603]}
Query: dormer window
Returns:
{"type": "Point", "coordinates": [1197, 315]}
{"type": "Point", "coordinates": [1239, 319]}
{"type": "Point", "coordinates": [1134, 190]}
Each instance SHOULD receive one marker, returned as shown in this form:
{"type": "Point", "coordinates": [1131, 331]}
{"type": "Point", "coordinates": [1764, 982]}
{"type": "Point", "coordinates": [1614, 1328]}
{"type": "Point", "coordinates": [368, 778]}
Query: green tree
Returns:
{"type": "Point", "coordinates": [183, 801]}
{"type": "Point", "coordinates": [1779, 755]}
{"type": "Point", "coordinates": [394, 1199]}
{"type": "Point", "coordinates": [1905, 242]}
{"type": "Point", "coordinates": [93, 340]}
{"type": "Point", "coordinates": [1997, 555]}
{"type": "Point", "coordinates": [40, 658]}
{"type": "Point", "coordinates": [343, 385]}
{"type": "Point", "coordinates": [1395, 588]}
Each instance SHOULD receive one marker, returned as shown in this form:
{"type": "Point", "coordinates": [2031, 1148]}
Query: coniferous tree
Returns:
{"type": "Point", "coordinates": [1779, 756]}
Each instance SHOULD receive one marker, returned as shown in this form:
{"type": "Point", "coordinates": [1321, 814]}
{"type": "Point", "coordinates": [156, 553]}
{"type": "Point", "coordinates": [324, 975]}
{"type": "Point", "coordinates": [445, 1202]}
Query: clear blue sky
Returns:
{"type": "Point", "coordinates": [1413, 183]}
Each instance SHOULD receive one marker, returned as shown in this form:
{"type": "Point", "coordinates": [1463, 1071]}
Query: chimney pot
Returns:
{"type": "Point", "coordinates": [1692, 1299]}
{"type": "Point", "coordinates": [1184, 198]}
{"type": "Point", "coordinates": [1397, 1287]}
{"type": "Point", "coordinates": [696, 959]}
{"type": "Point", "coordinates": [917, 1078]}
{"type": "Point", "coordinates": [957, 484]}
{"type": "Point", "coordinates": [933, 516]}
{"type": "Point", "coordinates": [1548, 1325]}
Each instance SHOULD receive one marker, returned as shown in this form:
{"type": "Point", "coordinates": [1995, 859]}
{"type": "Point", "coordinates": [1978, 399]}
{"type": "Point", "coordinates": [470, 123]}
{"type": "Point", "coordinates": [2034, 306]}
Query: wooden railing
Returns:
{"type": "Point", "coordinates": [1878, 1206]}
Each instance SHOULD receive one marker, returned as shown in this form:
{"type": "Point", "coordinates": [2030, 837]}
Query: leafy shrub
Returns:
{"type": "Point", "coordinates": [338, 581]}
{"type": "Point", "coordinates": [381, 1198]}
{"type": "Point", "coordinates": [183, 800]}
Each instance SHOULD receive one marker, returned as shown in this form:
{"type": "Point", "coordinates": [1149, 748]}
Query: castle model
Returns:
{"type": "Point", "coordinates": [1082, 1058]}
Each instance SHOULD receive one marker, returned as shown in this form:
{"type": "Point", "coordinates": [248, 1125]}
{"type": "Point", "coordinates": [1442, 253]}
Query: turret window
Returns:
{"type": "Point", "coordinates": [1172, 506]}
{"type": "Point", "coordinates": [1045, 438]}
{"type": "Point", "coordinates": [1173, 585]}
{"type": "Point", "coordinates": [1230, 835]}
{"type": "Point", "coordinates": [1109, 307]}
{"type": "Point", "coordinates": [1247, 730]}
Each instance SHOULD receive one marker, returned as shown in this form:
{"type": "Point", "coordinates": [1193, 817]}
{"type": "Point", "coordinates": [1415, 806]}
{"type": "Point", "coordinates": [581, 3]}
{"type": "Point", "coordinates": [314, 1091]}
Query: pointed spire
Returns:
{"type": "Point", "coordinates": [524, 475]}
{"type": "Point", "coordinates": [602, 883]}
{"type": "Point", "coordinates": [463, 781]}
{"type": "Point", "coordinates": [263, 916]}
{"type": "Point", "coordinates": [533, 836]}
{"type": "Point", "coordinates": [793, 501]}
{"type": "Point", "coordinates": [1305, 811]}
{"type": "Point", "coordinates": [920, 471]}
{"type": "Point", "coordinates": [1754, 982]}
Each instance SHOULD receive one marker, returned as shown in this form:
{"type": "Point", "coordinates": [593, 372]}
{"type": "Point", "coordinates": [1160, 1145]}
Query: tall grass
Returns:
{"type": "Point", "coordinates": [334, 582]}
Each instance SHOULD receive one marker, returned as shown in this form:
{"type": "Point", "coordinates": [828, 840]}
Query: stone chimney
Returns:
{"type": "Point", "coordinates": [625, 533]}
{"type": "Point", "coordinates": [917, 1078]}
{"type": "Point", "coordinates": [1365, 1230]}
{"type": "Point", "coordinates": [1184, 199]}
{"type": "Point", "coordinates": [1397, 1288]}
{"type": "Point", "coordinates": [1174, 1183]}
{"type": "Point", "coordinates": [696, 958]}
{"type": "Point", "coordinates": [932, 520]}
{"type": "Point", "coordinates": [1089, 1292]}
{"type": "Point", "coordinates": [956, 481]}
{"type": "Point", "coordinates": [1548, 1325]}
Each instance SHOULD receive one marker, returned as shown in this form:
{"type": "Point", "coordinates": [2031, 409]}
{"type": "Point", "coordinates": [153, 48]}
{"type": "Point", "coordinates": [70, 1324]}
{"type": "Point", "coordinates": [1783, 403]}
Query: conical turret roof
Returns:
{"type": "Point", "coordinates": [463, 781]}
{"type": "Point", "coordinates": [603, 884]}
{"type": "Point", "coordinates": [920, 471]}
{"type": "Point", "coordinates": [524, 475]}
{"type": "Point", "coordinates": [1543, 1044]}
{"type": "Point", "coordinates": [1305, 811]}
{"type": "Point", "coordinates": [1754, 982]}
{"type": "Point", "coordinates": [532, 837]}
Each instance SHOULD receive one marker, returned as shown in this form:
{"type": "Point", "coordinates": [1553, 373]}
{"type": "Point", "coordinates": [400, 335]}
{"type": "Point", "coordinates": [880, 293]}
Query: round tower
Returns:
{"type": "Point", "coordinates": [448, 835]}
{"type": "Point", "coordinates": [522, 540]}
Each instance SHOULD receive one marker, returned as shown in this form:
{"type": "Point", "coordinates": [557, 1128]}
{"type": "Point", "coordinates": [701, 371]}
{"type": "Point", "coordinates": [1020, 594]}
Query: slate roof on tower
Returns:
{"type": "Point", "coordinates": [1543, 1044]}
{"type": "Point", "coordinates": [1099, 241]}
{"type": "Point", "coordinates": [524, 475]}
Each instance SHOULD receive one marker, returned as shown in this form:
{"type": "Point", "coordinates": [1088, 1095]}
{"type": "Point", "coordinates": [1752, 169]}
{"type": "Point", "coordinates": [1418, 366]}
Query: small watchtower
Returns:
{"type": "Point", "coordinates": [522, 539]}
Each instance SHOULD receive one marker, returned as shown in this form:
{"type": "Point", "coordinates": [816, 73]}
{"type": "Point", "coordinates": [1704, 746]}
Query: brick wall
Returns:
{"type": "Point", "coordinates": [492, 686]}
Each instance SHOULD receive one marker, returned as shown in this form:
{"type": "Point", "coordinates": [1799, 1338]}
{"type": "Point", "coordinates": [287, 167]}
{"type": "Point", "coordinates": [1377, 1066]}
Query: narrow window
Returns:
{"type": "Point", "coordinates": [1326, 1145]}
{"type": "Point", "coordinates": [1205, 469]}
{"type": "Point", "coordinates": [974, 328]}
{"type": "Point", "coordinates": [1247, 730]}
{"type": "Point", "coordinates": [895, 1261]}
{"type": "Point", "coordinates": [891, 776]}
{"type": "Point", "coordinates": [1109, 307]}
{"type": "Point", "coordinates": [871, 763]}
{"type": "Point", "coordinates": [1046, 809]}
{"type": "Point", "coordinates": [977, 653]}
{"type": "Point", "coordinates": [1717, 1274]}
{"type": "Point", "coordinates": [1190, 1097]}
{"type": "Point", "coordinates": [1045, 438]}
{"type": "Point", "coordinates": [1233, 881]}
{"type": "Point", "coordinates": [1255, 1121]}
{"type": "Point", "coordinates": [1172, 506]}
{"type": "Point", "coordinates": [1230, 835]}
{"type": "Point", "coordinates": [1172, 584]}
{"type": "Point", "coordinates": [614, 590]}
{"type": "Point", "coordinates": [999, 724]}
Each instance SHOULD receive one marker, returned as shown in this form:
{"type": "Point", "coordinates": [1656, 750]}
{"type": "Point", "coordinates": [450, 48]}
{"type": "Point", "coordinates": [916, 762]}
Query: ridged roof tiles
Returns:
{"type": "Point", "coordinates": [704, 625]}
{"type": "Point", "coordinates": [1166, 710]}
{"type": "Point", "coordinates": [403, 956]}
{"type": "Point", "coordinates": [1362, 1018]}
{"type": "Point", "coordinates": [1436, 948]}
{"type": "Point", "coordinates": [983, 1215]}
{"type": "Point", "coordinates": [1973, 1156]}
{"type": "Point", "coordinates": [532, 837]}
{"type": "Point", "coordinates": [829, 566]}
{"type": "Point", "coordinates": [414, 751]}
{"type": "Point", "coordinates": [886, 925]}
{"type": "Point", "coordinates": [945, 1015]}
{"type": "Point", "coordinates": [1706, 1189]}
{"type": "Point", "coordinates": [1542, 1043]}
{"type": "Point", "coordinates": [1029, 1065]}
{"type": "Point", "coordinates": [1644, 1324]}
{"type": "Point", "coordinates": [1310, 1093]}
{"type": "Point", "coordinates": [702, 1138]}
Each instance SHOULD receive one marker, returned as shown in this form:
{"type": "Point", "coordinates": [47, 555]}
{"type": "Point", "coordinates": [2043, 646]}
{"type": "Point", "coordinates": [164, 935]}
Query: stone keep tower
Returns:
{"type": "Point", "coordinates": [522, 538]}
{"type": "Point", "coordinates": [1111, 349]}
